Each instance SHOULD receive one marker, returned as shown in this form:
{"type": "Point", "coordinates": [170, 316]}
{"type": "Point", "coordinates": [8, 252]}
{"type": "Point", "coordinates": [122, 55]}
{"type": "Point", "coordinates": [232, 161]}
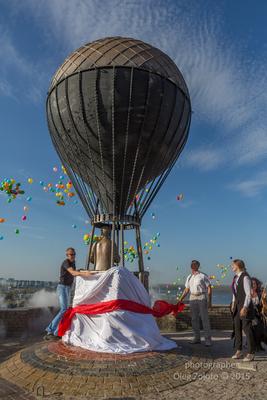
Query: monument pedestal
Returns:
{"type": "Point", "coordinates": [108, 327]}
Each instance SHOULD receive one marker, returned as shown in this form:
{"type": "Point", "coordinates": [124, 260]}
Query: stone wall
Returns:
{"type": "Point", "coordinates": [26, 322]}
{"type": "Point", "coordinates": [220, 318]}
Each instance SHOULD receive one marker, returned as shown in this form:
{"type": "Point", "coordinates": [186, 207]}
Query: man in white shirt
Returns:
{"type": "Point", "coordinates": [199, 286]}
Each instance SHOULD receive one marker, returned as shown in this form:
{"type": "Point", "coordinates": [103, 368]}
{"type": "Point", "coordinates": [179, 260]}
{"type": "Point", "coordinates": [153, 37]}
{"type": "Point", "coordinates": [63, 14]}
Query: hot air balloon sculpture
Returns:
{"type": "Point", "coordinates": [118, 112]}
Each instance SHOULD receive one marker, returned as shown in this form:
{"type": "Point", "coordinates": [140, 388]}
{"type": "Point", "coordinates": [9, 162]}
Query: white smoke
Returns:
{"type": "Point", "coordinates": [43, 298]}
{"type": "Point", "coordinates": [2, 302]}
{"type": "Point", "coordinates": [154, 295]}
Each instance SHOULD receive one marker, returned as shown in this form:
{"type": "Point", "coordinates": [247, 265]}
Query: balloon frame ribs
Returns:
{"type": "Point", "coordinates": [119, 113]}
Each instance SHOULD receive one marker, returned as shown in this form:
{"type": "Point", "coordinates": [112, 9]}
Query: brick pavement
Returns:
{"type": "Point", "coordinates": [52, 370]}
{"type": "Point", "coordinates": [9, 391]}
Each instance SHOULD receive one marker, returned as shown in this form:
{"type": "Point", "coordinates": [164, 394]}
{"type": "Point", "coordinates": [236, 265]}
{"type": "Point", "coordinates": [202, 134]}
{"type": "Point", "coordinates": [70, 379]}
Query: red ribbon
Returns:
{"type": "Point", "coordinates": [159, 309]}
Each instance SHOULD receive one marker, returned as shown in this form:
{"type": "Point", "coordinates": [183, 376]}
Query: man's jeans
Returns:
{"type": "Point", "coordinates": [199, 308]}
{"type": "Point", "coordinates": [63, 292]}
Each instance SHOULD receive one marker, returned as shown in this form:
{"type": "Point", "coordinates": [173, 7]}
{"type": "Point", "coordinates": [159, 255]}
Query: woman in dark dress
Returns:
{"type": "Point", "coordinates": [257, 322]}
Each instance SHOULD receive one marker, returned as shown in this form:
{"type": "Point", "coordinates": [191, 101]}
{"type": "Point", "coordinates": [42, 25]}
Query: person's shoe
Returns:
{"type": "Point", "coordinates": [237, 355]}
{"type": "Point", "coordinates": [195, 341]}
{"type": "Point", "coordinates": [208, 343]}
{"type": "Point", "coordinates": [49, 336]}
{"type": "Point", "coordinates": [249, 357]}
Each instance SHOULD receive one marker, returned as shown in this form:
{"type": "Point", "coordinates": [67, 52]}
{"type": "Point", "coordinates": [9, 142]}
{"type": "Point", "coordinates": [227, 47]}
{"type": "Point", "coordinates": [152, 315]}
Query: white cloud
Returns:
{"type": "Point", "coordinates": [251, 187]}
{"type": "Point", "coordinates": [20, 77]}
{"type": "Point", "coordinates": [6, 89]}
{"type": "Point", "coordinates": [253, 145]}
{"type": "Point", "coordinates": [205, 159]}
{"type": "Point", "coordinates": [228, 88]}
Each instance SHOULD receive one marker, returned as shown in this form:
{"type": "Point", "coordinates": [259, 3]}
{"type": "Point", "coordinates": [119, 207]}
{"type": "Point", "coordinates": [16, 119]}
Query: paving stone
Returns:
{"type": "Point", "coordinates": [9, 390]}
{"type": "Point", "coordinates": [65, 372]}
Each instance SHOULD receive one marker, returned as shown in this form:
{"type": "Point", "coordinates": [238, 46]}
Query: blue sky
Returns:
{"type": "Point", "coordinates": [220, 47]}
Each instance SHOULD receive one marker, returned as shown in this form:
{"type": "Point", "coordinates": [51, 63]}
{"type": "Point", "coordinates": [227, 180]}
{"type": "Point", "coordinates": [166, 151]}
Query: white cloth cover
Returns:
{"type": "Point", "coordinates": [117, 331]}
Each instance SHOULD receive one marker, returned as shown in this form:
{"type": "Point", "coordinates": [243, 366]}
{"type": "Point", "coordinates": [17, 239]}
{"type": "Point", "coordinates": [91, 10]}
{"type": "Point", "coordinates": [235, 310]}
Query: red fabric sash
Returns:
{"type": "Point", "coordinates": [159, 309]}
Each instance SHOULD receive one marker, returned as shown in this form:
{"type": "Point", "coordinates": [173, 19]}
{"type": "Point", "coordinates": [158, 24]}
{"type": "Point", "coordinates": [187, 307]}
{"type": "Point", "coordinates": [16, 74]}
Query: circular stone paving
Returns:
{"type": "Point", "coordinates": [55, 370]}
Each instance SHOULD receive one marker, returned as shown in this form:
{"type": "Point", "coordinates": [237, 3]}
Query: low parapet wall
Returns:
{"type": "Point", "coordinates": [26, 322]}
{"type": "Point", "coordinates": [220, 318]}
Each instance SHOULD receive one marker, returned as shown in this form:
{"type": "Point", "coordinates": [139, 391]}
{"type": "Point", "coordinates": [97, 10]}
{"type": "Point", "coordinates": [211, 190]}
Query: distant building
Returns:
{"type": "Point", "coordinates": [14, 283]}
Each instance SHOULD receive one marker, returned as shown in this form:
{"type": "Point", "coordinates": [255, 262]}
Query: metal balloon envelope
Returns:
{"type": "Point", "coordinates": [119, 113]}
